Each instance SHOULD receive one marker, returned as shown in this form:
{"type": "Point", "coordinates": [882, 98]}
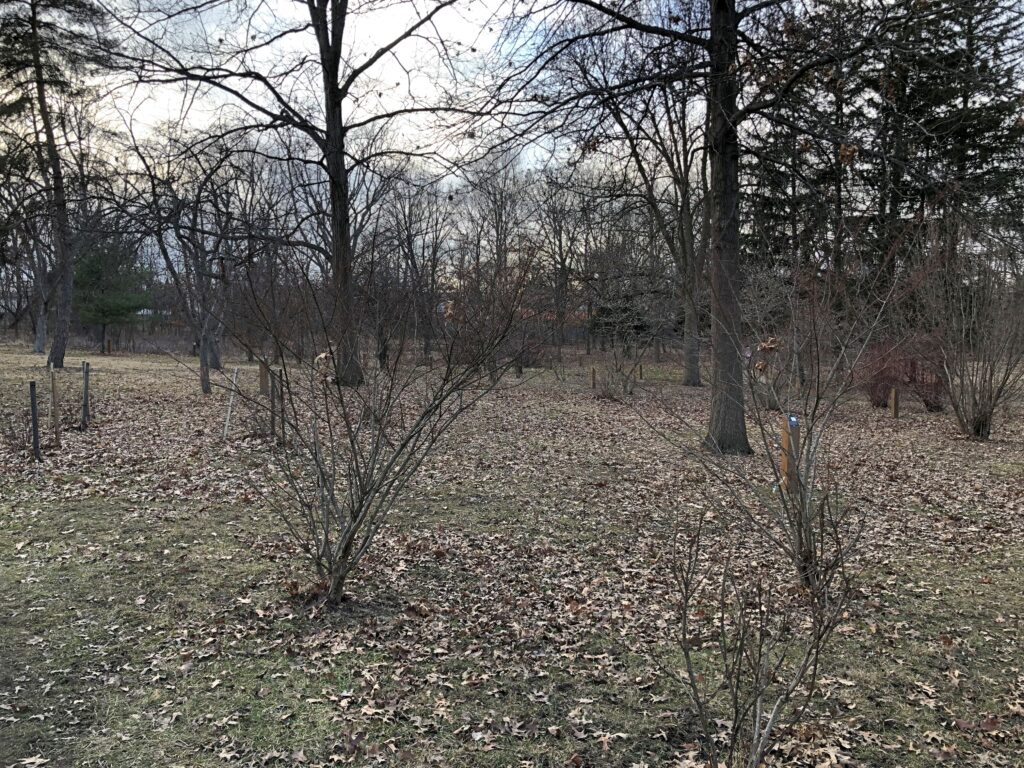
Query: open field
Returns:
{"type": "Point", "coordinates": [516, 611]}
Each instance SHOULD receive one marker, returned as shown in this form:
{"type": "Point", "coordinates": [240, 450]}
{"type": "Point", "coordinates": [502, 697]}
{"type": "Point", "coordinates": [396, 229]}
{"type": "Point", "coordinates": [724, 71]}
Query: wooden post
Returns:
{"type": "Point", "coordinates": [85, 395]}
{"type": "Point", "coordinates": [280, 395]}
{"type": "Point", "coordinates": [264, 378]}
{"type": "Point", "coordinates": [231, 402]}
{"type": "Point", "coordinates": [273, 406]}
{"type": "Point", "coordinates": [110, 346]}
{"type": "Point", "coordinates": [894, 402]}
{"type": "Point", "coordinates": [641, 371]}
{"type": "Point", "coordinates": [789, 466]}
{"type": "Point", "coordinates": [35, 420]}
{"type": "Point", "coordinates": [593, 377]}
{"type": "Point", "coordinates": [54, 408]}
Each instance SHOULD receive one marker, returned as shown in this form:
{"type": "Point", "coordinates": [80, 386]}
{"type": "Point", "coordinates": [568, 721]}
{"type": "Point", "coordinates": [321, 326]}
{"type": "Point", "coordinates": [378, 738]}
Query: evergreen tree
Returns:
{"type": "Point", "coordinates": [110, 286]}
{"type": "Point", "coordinates": [945, 100]}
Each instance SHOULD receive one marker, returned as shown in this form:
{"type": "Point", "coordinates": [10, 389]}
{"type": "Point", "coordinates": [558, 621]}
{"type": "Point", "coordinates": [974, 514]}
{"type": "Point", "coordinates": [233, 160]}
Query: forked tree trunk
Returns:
{"type": "Point", "coordinates": [727, 431]}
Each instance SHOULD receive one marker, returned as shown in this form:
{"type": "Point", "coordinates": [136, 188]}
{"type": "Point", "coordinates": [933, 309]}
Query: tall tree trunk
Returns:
{"type": "Point", "coordinates": [40, 342]}
{"type": "Point", "coordinates": [590, 314]}
{"type": "Point", "coordinates": [343, 319]}
{"type": "Point", "coordinates": [58, 206]}
{"type": "Point", "coordinates": [328, 19]}
{"type": "Point", "coordinates": [727, 431]}
{"type": "Point", "coordinates": [40, 298]}
{"type": "Point", "coordinates": [213, 350]}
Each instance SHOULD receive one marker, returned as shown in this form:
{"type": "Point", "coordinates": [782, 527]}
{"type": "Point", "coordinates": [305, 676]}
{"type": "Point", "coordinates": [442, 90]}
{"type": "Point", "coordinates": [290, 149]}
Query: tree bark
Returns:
{"type": "Point", "coordinates": [691, 342]}
{"type": "Point", "coordinates": [204, 364]}
{"type": "Point", "coordinates": [727, 430]}
{"type": "Point", "coordinates": [58, 206]}
{"type": "Point", "coordinates": [40, 341]}
{"type": "Point", "coordinates": [328, 21]}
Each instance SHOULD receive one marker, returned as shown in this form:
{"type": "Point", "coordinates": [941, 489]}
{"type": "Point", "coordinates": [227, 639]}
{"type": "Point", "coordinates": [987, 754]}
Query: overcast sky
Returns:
{"type": "Point", "coordinates": [409, 77]}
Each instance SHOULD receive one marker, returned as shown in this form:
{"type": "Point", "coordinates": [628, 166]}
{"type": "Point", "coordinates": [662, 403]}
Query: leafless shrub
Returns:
{"type": "Point", "coordinates": [763, 563]}
{"type": "Point", "coordinates": [617, 376]}
{"type": "Point", "coordinates": [614, 380]}
{"type": "Point", "coordinates": [763, 574]}
{"type": "Point", "coordinates": [348, 453]}
{"type": "Point", "coordinates": [974, 301]}
{"type": "Point", "coordinates": [925, 374]}
{"type": "Point", "coordinates": [878, 372]}
{"type": "Point", "coordinates": [751, 639]}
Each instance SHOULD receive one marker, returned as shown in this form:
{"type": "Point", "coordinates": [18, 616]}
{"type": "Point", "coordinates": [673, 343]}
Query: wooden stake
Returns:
{"type": "Point", "coordinates": [789, 466]}
{"type": "Point", "coordinates": [231, 402]}
{"type": "Point", "coordinates": [110, 346]}
{"type": "Point", "coordinates": [641, 371]}
{"type": "Point", "coordinates": [35, 420]}
{"type": "Point", "coordinates": [894, 402]}
{"type": "Point", "coordinates": [593, 377]}
{"type": "Point", "coordinates": [264, 378]}
{"type": "Point", "coordinates": [273, 406]}
{"type": "Point", "coordinates": [54, 408]}
{"type": "Point", "coordinates": [85, 395]}
{"type": "Point", "coordinates": [280, 394]}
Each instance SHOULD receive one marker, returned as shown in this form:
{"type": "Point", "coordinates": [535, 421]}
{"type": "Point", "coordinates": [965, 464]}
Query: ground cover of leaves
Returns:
{"type": "Point", "coordinates": [517, 610]}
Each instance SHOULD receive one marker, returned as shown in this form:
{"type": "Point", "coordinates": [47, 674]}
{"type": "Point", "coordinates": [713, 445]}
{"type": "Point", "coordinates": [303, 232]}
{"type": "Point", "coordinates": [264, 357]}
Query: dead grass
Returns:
{"type": "Point", "coordinates": [517, 612]}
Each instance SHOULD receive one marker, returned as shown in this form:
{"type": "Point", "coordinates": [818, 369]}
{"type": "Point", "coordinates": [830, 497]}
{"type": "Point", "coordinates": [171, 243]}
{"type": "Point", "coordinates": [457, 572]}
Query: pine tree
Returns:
{"type": "Point", "coordinates": [110, 286]}
{"type": "Point", "coordinates": [946, 104]}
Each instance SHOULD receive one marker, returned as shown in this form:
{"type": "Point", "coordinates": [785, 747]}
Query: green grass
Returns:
{"type": "Point", "coordinates": [933, 672]}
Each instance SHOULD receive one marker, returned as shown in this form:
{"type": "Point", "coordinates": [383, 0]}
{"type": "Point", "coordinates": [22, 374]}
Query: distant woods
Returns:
{"type": "Point", "coordinates": [681, 176]}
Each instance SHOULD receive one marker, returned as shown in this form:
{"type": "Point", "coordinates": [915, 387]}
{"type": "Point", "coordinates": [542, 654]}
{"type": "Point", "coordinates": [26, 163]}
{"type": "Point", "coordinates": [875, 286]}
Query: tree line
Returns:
{"type": "Point", "coordinates": [692, 173]}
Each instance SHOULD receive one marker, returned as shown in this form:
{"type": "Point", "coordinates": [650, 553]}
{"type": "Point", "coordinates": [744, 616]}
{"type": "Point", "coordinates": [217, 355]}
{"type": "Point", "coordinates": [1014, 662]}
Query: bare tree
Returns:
{"type": "Point", "coordinates": [974, 300]}
{"type": "Point", "coordinates": [47, 45]}
{"type": "Point", "coordinates": [327, 97]}
{"type": "Point", "coordinates": [183, 201]}
{"type": "Point", "coordinates": [423, 222]}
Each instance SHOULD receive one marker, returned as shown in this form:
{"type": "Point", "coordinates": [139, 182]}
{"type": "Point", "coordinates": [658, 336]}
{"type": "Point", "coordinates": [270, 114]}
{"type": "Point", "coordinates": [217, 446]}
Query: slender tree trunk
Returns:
{"type": "Point", "coordinates": [691, 342]}
{"type": "Point", "coordinates": [41, 313]}
{"type": "Point", "coordinates": [689, 266]}
{"type": "Point", "coordinates": [213, 351]}
{"type": "Point", "coordinates": [204, 364]}
{"type": "Point", "coordinates": [343, 318]}
{"type": "Point", "coordinates": [590, 314]}
{"type": "Point", "coordinates": [58, 205]}
{"type": "Point", "coordinates": [727, 431]}
{"type": "Point", "coordinates": [40, 342]}
{"type": "Point", "coordinates": [428, 335]}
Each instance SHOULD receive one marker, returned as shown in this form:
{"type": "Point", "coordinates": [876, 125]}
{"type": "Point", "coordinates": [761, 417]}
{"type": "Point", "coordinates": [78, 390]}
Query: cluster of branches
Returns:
{"type": "Point", "coordinates": [822, 147]}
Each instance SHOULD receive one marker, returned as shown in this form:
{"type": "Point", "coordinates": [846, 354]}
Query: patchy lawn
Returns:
{"type": "Point", "coordinates": [517, 610]}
